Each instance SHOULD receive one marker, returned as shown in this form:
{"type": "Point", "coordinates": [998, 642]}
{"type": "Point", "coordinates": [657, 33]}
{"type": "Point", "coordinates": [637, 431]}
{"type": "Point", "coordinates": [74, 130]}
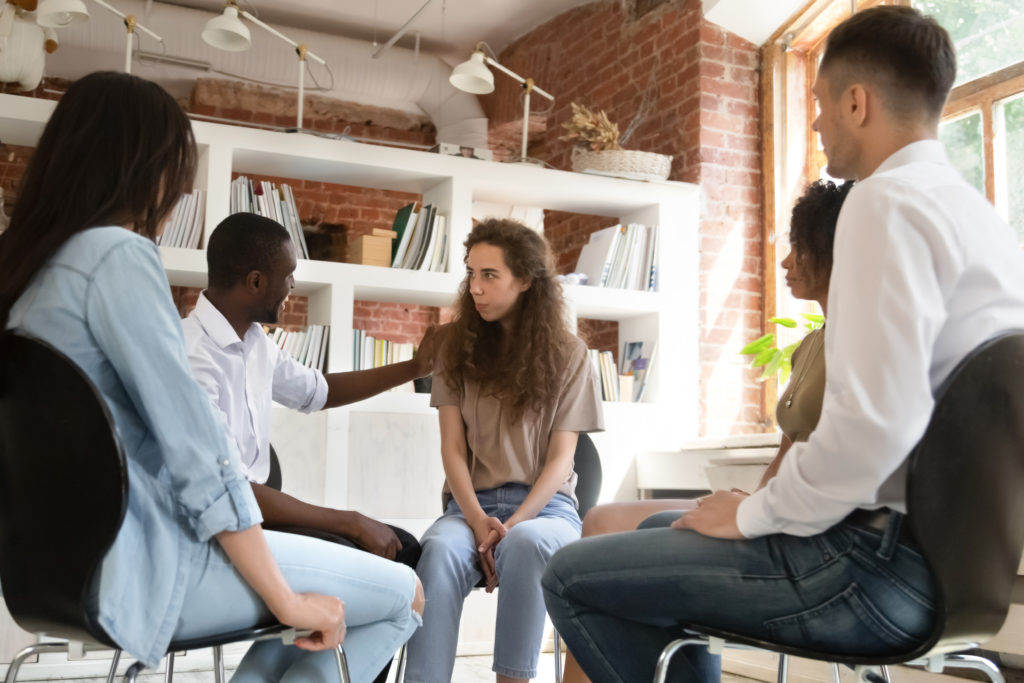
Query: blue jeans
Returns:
{"type": "Point", "coordinates": [377, 593]}
{"type": "Point", "coordinates": [449, 569]}
{"type": "Point", "coordinates": [617, 600]}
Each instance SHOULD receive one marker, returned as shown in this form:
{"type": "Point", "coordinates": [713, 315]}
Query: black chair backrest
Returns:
{"type": "Point", "coordinates": [274, 478]}
{"type": "Point", "coordinates": [588, 472]}
{"type": "Point", "coordinates": [63, 488]}
{"type": "Point", "coordinates": [964, 487]}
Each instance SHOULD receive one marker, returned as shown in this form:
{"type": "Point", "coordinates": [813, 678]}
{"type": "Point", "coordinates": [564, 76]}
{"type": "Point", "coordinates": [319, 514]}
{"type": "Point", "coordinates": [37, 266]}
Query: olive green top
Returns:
{"type": "Point", "coordinates": [800, 404]}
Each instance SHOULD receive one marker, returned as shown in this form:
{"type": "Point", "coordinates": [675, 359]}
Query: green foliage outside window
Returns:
{"type": "Point", "coordinates": [772, 359]}
{"type": "Point", "coordinates": [1013, 124]}
{"type": "Point", "coordinates": [986, 33]}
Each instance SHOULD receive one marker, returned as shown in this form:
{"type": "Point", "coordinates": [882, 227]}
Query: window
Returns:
{"type": "Point", "coordinates": [986, 33]}
{"type": "Point", "coordinates": [1010, 181]}
{"type": "Point", "coordinates": [982, 128]}
{"type": "Point", "coordinates": [962, 137]}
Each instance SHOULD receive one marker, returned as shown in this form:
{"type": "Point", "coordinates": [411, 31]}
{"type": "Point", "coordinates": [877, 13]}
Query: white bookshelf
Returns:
{"type": "Point", "coordinates": [395, 433]}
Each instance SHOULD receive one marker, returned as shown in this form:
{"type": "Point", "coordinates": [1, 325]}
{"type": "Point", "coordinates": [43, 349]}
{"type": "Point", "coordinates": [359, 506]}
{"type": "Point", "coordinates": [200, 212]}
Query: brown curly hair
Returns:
{"type": "Point", "coordinates": [525, 368]}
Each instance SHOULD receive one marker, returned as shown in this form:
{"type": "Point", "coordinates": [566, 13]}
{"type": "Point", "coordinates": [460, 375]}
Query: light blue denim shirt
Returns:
{"type": "Point", "coordinates": [104, 300]}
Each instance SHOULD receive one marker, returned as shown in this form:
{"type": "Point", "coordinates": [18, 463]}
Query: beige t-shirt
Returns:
{"type": "Point", "coordinates": [502, 451]}
{"type": "Point", "coordinates": [799, 406]}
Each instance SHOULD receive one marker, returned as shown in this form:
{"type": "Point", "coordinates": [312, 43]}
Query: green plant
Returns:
{"type": "Point", "coordinates": [773, 359]}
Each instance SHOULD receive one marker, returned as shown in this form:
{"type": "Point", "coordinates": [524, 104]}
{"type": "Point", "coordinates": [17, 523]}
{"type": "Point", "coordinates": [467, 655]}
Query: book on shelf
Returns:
{"type": "Point", "coordinates": [604, 366]}
{"type": "Point", "coordinates": [423, 239]}
{"type": "Point", "coordinates": [185, 226]}
{"type": "Point", "coordinates": [370, 352]}
{"type": "Point", "coordinates": [272, 201]}
{"type": "Point", "coordinates": [405, 219]}
{"type": "Point", "coordinates": [636, 360]}
{"type": "Point", "coordinates": [308, 347]}
{"type": "Point", "coordinates": [621, 257]}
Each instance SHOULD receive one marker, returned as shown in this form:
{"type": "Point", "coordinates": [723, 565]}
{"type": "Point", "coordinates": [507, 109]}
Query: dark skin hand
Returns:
{"type": "Point", "coordinates": [281, 510]}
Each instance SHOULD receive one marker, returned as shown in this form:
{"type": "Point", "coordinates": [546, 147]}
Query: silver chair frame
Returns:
{"type": "Point", "coordinates": [933, 662]}
{"type": "Point", "coordinates": [287, 636]}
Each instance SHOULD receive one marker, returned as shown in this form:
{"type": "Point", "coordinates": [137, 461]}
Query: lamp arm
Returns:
{"type": "Point", "coordinates": [269, 29]}
{"type": "Point", "coordinates": [517, 77]}
{"type": "Point", "coordinates": [121, 14]}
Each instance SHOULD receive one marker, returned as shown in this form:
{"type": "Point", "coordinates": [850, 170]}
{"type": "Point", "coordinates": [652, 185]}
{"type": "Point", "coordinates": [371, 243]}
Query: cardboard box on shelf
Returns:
{"type": "Point", "coordinates": [371, 250]}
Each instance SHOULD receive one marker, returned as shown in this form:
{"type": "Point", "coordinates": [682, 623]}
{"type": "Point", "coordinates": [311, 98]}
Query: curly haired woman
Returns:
{"type": "Point", "coordinates": [514, 391]}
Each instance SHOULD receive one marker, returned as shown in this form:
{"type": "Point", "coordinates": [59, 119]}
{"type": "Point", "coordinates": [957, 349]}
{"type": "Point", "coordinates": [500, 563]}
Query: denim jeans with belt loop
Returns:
{"type": "Point", "coordinates": [617, 600]}
{"type": "Point", "coordinates": [449, 569]}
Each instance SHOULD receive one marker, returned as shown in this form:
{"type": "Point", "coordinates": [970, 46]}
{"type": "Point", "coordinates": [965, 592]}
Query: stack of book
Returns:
{"type": "Point", "coordinates": [370, 352]}
{"type": "Point", "coordinates": [635, 363]}
{"type": "Point", "coordinates": [422, 239]}
{"type": "Point", "coordinates": [604, 365]}
{"type": "Point", "coordinates": [623, 257]}
{"type": "Point", "coordinates": [627, 382]}
{"type": "Point", "coordinates": [308, 346]}
{"type": "Point", "coordinates": [272, 201]}
{"type": "Point", "coordinates": [185, 226]}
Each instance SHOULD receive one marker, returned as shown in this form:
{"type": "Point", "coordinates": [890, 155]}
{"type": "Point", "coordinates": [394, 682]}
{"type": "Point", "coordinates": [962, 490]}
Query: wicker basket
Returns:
{"type": "Point", "coordinates": [626, 163]}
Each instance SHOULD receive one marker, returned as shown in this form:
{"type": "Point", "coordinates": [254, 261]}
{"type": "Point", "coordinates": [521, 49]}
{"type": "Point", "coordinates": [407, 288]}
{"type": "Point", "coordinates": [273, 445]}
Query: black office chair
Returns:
{"type": "Point", "coordinates": [587, 465]}
{"type": "Point", "coordinates": [63, 494]}
{"type": "Point", "coordinates": [965, 511]}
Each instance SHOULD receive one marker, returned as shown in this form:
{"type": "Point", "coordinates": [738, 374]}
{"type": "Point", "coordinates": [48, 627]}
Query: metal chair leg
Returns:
{"type": "Point", "coordinates": [38, 648]}
{"type": "Point", "coordinates": [558, 655]}
{"type": "Point", "coordinates": [835, 673]}
{"type": "Point", "coordinates": [339, 655]}
{"type": "Point", "coordinates": [112, 674]}
{"type": "Point", "coordinates": [783, 668]}
{"type": "Point", "coordinates": [169, 671]}
{"type": "Point", "coordinates": [885, 674]}
{"type": "Point", "coordinates": [977, 663]}
{"type": "Point", "coordinates": [661, 671]}
{"type": "Point", "coordinates": [133, 672]}
{"type": "Point", "coordinates": [400, 668]}
{"type": "Point", "coordinates": [218, 664]}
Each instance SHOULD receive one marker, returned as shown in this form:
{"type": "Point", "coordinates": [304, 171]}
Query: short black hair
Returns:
{"type": "Point", "coordinates": [240, 244]}
{"type": "Point", "coordinates": [812, 230]}
{"type": "Point", "coordinates": [908, 56]}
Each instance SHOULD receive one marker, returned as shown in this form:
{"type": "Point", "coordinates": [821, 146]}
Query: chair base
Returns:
{"type": "Point", "coordinates": [865, 673]}
{"type": "Point", "coordinates": [130, 676]}
{"type": "Point", "coordinates": [66, 647]}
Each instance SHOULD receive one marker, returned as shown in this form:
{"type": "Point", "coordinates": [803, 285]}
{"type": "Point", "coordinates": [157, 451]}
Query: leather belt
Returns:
{"type": "Point", "coordinates": [879, 520]}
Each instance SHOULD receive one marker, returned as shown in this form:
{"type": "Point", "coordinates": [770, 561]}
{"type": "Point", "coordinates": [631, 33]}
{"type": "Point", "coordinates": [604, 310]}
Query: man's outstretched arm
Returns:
{"type": "Point", "coordinates": [281, 510]}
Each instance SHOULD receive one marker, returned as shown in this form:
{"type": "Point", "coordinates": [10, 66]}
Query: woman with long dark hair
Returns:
{"type": "Point", "coordinates": [514, 391]}
{"type": "Point", "coordinates": [81, 272]}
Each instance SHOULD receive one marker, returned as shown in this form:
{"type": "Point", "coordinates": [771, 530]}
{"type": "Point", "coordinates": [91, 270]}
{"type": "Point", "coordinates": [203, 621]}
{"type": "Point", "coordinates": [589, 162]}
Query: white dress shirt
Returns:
{"type": "Point", "coordinates": [242, 376]}
{"type": "Point", "coordinates": [924, 271]}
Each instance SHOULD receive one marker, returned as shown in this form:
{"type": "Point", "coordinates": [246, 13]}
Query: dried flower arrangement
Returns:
{"type": "Point", "coordinates": [591, 129]}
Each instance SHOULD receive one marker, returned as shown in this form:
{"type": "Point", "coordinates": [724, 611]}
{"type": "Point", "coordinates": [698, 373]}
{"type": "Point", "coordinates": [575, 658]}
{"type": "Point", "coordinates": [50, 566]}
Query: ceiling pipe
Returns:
{"type": "Point", "coordinates": [397, 80]}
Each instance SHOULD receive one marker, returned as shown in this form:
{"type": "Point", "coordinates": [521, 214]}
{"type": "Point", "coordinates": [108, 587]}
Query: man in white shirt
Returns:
{"type": "Point", "coordinates": [924, 271]}
{"type": "Point", "coordinates": [251, 261]}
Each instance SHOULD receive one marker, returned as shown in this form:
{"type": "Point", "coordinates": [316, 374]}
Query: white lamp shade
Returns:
{"type": "Point", "coordinates": [473, 76]}
{"type": "Point", "coordinates": [61, 13]}
{"type": "Point", "coordinates": [227, 32]}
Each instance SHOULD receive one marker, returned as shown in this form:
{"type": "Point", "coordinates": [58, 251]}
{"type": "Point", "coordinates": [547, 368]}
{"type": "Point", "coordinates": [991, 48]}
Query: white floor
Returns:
{"type": "Point", "coordinates": [467, 670]}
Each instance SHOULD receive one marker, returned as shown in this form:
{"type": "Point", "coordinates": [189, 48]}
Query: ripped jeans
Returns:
{"type": "Point", "coordinates": [618, 599]}
{"type": "Point", "coordinates": [377, 593]}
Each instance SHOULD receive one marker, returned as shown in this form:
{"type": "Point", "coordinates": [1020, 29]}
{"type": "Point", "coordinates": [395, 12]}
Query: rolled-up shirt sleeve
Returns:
{"type": "Point", "coordinates": [296, 386]}
{"type": "Point", "coordinates": [133, 319]}
{"type": "Point", "coordinates": [886, 308]}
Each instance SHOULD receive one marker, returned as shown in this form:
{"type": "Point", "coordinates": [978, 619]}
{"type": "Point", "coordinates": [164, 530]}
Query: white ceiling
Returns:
{"type": "Point", "coordinates": [449, 28]}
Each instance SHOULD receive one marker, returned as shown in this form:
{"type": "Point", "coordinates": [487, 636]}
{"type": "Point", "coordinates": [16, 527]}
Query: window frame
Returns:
{"type": "Point", "coordinates": [790, 155]}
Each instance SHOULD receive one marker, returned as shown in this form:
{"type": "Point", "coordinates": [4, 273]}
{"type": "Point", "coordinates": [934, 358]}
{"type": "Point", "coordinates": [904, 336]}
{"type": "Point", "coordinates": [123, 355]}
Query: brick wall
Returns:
{"type": "Point", "coordinates": [703, 83]}
{"type": "Point", "coordinates": [13, 160]}
{"type": "Point", "coordinates": [258, 104]}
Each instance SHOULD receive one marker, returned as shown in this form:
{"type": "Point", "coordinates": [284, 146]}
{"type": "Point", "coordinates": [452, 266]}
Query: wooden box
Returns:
{"type": "Point", "coordinates": [371, 250]}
